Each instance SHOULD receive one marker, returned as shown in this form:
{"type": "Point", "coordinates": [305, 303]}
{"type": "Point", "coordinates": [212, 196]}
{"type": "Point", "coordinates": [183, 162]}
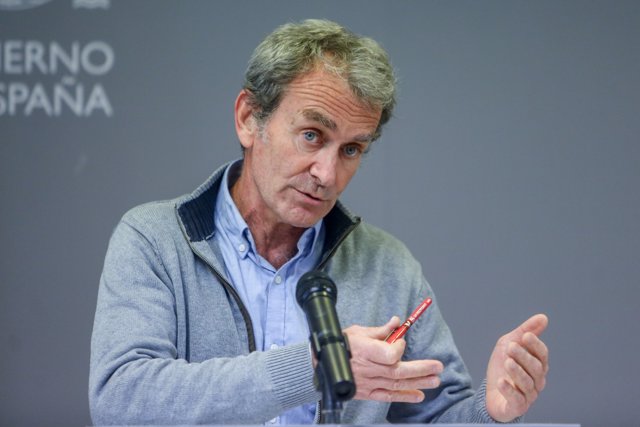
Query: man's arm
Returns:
{"type": "Point", "coordinates": [137, 375]}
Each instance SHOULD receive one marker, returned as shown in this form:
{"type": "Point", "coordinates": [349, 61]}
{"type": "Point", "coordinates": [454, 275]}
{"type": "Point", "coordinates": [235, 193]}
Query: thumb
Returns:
{"type": "Point", "coordinates": [376, 332]}
{"type": "Point", "coordinates": [387, 328]}
{"type": "Point", "coordinates": [536, 324]}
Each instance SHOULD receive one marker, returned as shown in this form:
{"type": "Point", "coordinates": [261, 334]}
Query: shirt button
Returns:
{"type": "Point", "coordinates": [273, 346]}
{"type": "Point", "coordinates": [278, 279]}
{"type": "Point", "coordinates": [241, 247]}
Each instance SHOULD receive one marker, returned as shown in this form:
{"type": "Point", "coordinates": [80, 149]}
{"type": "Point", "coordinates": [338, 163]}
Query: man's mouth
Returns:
{"type": "Point", "coordinates": [311, 196]}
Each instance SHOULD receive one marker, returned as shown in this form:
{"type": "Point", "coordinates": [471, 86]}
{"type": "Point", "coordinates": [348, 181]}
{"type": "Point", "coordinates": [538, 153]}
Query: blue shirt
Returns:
{"type": "Point", "coordinates": [268, 293]}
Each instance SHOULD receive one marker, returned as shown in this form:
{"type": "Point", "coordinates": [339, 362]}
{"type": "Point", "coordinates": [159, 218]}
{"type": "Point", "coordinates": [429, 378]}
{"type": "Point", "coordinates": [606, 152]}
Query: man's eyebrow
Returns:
{"type": "Point", "coordinates": [366, 139]}
{"type": "Point", "coordinates": [325, 121]}
{"type": "Point", "coordinates": [318, 117]}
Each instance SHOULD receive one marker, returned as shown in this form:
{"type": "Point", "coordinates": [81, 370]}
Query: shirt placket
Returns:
{"type": "Point", "coordinates": [276, 311]}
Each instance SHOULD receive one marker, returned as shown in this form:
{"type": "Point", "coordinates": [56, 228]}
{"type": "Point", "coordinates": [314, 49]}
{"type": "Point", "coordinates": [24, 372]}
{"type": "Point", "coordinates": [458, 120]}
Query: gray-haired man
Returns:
{"type": "Point", "coordinates": [197, 320]}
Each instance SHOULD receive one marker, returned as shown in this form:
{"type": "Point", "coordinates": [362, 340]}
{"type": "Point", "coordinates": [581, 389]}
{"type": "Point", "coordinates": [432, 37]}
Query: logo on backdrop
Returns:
{"type": "Point", "coordinates": [21, 4]}
{"type": "Point", "coordinates": [30, 4]}
{"type": "Point", "coordinates": [91, 4]}
{"type": "Point", "coordinates": [52, 78]}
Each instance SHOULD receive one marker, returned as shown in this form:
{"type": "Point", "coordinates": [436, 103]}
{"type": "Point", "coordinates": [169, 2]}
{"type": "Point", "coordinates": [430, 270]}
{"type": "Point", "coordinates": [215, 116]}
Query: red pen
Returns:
{"type": "Point", "coordinates": [399, 332]}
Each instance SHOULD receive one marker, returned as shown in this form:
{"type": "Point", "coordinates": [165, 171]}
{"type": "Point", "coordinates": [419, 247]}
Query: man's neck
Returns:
{"type": "Point", "coordinates": [275, 241]}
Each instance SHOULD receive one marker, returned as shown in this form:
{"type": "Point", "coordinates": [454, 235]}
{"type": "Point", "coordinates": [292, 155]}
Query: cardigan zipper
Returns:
{"type": "Point", "coordinates": [243, 310]}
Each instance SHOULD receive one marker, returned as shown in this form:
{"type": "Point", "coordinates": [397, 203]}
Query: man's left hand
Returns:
{"type": "Point", "coordinates": [517, 370]}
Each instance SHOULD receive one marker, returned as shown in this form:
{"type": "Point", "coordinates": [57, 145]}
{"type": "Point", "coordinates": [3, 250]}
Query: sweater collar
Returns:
{"type": "Point", "coordinates": [195, 212]}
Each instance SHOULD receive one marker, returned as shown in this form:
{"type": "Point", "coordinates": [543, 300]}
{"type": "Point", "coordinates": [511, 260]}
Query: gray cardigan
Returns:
{"type": "Point", "coordinates": [173, 344]}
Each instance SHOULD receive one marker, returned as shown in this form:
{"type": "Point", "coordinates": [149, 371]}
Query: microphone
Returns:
{"type": "Point", "coordinates": [317, 294]}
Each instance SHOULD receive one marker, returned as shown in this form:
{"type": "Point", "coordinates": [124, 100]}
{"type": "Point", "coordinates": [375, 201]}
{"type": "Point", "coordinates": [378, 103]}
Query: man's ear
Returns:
{"type": "Point", "coordinates": [246, 125]}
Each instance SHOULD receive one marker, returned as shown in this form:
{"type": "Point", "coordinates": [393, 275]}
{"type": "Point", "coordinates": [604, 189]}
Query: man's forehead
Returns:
{"type": "Point", "coordinates": [327, 87]}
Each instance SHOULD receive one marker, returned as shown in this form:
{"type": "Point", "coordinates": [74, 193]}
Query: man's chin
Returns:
{"type": "Point", "coordinates": [305, 223]}
{"type": "Point", "coordinates": [306, 219]}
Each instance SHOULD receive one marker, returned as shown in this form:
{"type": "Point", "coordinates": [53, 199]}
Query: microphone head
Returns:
{"type": "Point", "coordinates": [315, 283]}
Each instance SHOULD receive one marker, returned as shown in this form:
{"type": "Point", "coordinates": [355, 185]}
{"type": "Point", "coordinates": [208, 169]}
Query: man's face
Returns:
{"type": "Point", "coordinates": [306, 153]}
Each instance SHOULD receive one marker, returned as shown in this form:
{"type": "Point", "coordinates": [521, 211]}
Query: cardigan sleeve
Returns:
{"type": "Point", "coordinates": [136, 374]}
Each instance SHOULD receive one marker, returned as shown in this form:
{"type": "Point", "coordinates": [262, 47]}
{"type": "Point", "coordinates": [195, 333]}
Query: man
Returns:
{"type": "Point", "coordinates": [196, 320]}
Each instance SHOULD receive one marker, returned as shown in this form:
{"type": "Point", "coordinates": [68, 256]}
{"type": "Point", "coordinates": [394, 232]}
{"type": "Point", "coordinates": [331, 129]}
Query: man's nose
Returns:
{"type": "Point", "coordinates": [325, 166]}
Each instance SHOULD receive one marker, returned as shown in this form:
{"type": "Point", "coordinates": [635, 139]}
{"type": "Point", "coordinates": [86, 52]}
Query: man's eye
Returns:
{"type": "Point", "coordinates": [352, 150]}
{"type": "Point", "coordinates": [310, 136]}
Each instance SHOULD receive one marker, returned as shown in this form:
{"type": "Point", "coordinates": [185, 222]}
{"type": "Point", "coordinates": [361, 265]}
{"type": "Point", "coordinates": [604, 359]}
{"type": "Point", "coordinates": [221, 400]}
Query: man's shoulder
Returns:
{"type": "Point", "coordinates": [369, 252]}
{"type": "Point", "coordinates": [153, 215]}
{"type": "Point", "coordinates": [372, 238]}
{"type": "Point", "coordinates": [165, 211]}
{"type": "Point", "coordinates": [369, 231]}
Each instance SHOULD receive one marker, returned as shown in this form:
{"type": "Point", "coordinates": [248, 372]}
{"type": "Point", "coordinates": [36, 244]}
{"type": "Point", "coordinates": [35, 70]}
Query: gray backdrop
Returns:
{"type": "Point", "coordinates": [511, 169]}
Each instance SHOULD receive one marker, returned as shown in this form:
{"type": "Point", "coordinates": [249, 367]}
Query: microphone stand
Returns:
{"type": "Point", "coordinates": [332, 398]}
{"type": "Point", "coordinates": [330, 406]}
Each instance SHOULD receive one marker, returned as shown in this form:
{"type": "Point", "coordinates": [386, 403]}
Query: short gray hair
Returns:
{"type": "Point", "coordinates": [296, 48]}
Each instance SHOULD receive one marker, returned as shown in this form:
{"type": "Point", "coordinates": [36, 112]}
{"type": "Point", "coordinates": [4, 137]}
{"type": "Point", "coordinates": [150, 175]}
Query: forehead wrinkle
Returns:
{"type": "Point", "coordinates": [336, 99]}
{"type": "Point", "coordinates": [331, 88]}
{"type": "Point", "coordinates": [333, 95]}
{"type": "Point", "coordinates": [317, 116]}
{"type": "Point", "coordinates": [357, 112]}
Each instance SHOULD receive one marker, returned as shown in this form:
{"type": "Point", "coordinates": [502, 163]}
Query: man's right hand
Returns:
{"type": "Point", "coordinates": [378, 370]}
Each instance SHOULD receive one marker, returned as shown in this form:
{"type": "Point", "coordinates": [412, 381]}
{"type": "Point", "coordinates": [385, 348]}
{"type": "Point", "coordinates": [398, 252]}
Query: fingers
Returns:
{"type": "Point", "coordinates": [531, 356]}
{"type": "Point", "coordinates": [409, 396]}
{"type": "Point", "coordinates": [403, 375]}
{"type": "Point", "coordinates": [537, 348]}
{"type": "Point", "coordinates": [379, 372]}
{"type": "Point", "coordinates": [521, 380]}
{"type": "Point", "coordinates": [401, 382]}
{"type": "Point", "coordinates": [417, 383]}
{"type": "Point", "coordinates": [526, 366]}
{"type": "Point", "coordinates": [528, 355]}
